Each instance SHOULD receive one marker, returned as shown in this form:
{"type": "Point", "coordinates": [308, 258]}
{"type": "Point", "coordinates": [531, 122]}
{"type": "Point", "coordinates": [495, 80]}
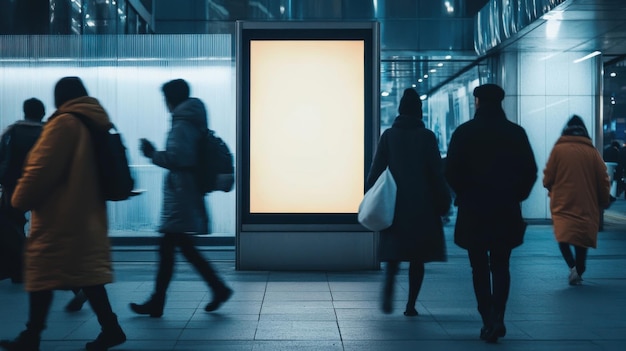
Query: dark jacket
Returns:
{"type": "Point", "coordinates": [183, 209]}
{"type": "Point", "coordinates": [15, 144]}
{"type": "Point", "coordinates": [491, 168]}
{"type": "Point", "coordinates": [411, 152]}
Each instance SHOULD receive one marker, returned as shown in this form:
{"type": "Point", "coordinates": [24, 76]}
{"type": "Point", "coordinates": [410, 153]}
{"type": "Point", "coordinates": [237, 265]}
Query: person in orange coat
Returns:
{"type": "Point", "coordinates": [68, 245]}
{"type": "Point", "coordinates": [578, 185]}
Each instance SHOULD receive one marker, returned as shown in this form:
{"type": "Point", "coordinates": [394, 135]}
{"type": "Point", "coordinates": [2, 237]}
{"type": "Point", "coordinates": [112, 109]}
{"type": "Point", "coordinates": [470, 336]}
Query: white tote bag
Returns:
{"type": "Point", "coordinates": [379, 203]}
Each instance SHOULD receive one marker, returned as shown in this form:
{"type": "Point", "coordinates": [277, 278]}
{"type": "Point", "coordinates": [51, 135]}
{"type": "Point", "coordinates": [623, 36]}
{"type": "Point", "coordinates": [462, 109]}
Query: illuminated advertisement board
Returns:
{"type": "Point", "coordinates": [306, 117]}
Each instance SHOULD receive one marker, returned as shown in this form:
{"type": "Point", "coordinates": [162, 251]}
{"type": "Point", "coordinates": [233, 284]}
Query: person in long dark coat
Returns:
{"type": "Point", "coordinates": [491, 168]}
{"type": "Point", "coordinates": [411, 152]}
{"type": "Point", "coordinates": [184, 213]}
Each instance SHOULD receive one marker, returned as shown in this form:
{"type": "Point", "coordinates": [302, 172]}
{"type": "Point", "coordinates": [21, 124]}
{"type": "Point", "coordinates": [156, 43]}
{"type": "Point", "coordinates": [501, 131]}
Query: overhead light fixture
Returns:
{"type": "Point", "coordinates": [587, 57]}
{"type": "Point", "coordinates": [425, 75]}
{"type": "Point", "coordinates": [613, 74]}
{"type": "Point", "coordinates": [448, 57]}
{"type": "Point", "coordinates": [449, 7]}
{"type": "Point", "coordinates": [413, 85]}
{"type": "Point", "coordinates": [433, 70]}
{"type": "Point", "coordinates": [440, 64]}
{"type": "Point", "coordinates": [385, 93]}
{"type": "Point", "coordinates": [423, 97]}
{"type": "Point", "coordinates": [420, 80]}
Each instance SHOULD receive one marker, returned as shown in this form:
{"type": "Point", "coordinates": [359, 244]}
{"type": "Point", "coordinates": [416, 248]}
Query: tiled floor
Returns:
{"type": "Point", "coordinates": [340, 310]}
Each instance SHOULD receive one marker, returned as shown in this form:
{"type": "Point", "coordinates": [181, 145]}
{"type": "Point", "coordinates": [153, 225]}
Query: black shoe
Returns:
{"type": "Point", "coordinates": [492, 334]}
{"type": "Point", "coordinates": [77, 302]}
{"type": "Point", "coordinates": [152, 307]}
{"type": "Point", "coordinates": [484, 331]}
{"type": "Point", "coordinates": [410, 312]}
{"type": "Point", "coordinates": [107, 339]}
{"type": "Point", "coordinates": [26, 341]}
{"type": "Point", "coordinates": [219, 298]}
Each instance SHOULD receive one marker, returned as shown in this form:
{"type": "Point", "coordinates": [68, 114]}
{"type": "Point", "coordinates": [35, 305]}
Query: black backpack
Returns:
{"type": "Point", "coordinates": [215, 169]}
{"type": "Point", "coordinates": [115, 177]}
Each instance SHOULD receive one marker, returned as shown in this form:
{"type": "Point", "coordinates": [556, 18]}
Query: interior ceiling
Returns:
{"type": "Point", "coordinates": [581, 26]}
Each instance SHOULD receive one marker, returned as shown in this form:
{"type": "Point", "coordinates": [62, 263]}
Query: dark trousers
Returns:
{"type": "Point", "coordinates": [167, 251]}
{"type": "Point", "coordinates": [97, 296]}
{"type": "Point", "coordinates": [12, 239]}
{"type": "Point", "coordinates": [416, 277]}
{"type": "Point", "coordinates": [580, 261]}
{"type": "Point", "coordinates": [492, 280]}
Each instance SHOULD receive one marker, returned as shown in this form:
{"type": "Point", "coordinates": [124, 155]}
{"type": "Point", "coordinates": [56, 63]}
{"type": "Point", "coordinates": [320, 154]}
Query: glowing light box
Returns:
{"type": "Point", "coordinates": [306, 113]}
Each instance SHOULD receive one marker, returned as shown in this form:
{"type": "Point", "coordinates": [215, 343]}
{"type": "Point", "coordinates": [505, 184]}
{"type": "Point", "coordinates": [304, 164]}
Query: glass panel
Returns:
{"type": "Point", "coordinates": [125, 73]}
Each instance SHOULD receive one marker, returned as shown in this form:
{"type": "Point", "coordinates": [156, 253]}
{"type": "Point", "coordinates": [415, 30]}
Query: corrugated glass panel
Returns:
{"type": "Point", "coordinates": [126, 74]}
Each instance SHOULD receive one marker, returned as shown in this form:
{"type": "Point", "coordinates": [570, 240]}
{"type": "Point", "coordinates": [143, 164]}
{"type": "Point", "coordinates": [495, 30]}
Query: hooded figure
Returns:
{"type": "Point", "coordinates": [578, 186]}
{"type": "Point", "coordinates": [411, 152]}
{"type": "Point", "coordinates": [68, 245]}
{"type": "Point", "coordinates": [183, 213]}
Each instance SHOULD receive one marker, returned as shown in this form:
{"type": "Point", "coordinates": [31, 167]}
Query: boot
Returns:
{"type": "Point", "coordinates": [27, 341]}
{"type": "Point", "coordinates": [487, 323]}
{"type": "Point", "coordinates": [152, 307]}
{"type": "Point", "coordinates": [388, 287]}
{"type": "Point", "coordinates": [219, 297]}
{"type": "Point", "coordinates": [497, 329]}
{"type": "Point", "coordinates": [77, 302]}
{"type": "Point", "coordinates": [111, 335]}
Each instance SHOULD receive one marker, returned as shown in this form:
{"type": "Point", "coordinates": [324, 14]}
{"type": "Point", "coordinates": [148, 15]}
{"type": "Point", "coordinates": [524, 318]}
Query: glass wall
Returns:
{"type": "Point", "coordinates": [125, 73]}
{"type": "Point", "coordinates": [614, 102]}
{"type": "Point", "coordinates": [451, 106]}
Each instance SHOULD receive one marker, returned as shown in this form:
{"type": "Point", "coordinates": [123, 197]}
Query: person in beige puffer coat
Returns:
{"type": "Point", "coordinates": [68, 246]}
{"type": "Point", "coordinates": [578, 185]}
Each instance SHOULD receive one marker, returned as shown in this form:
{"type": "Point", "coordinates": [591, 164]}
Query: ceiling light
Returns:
{"type": "Point", "coordinates": [425, 75]}
{"type": "Point", "coordinates": [433, 70]}
{"type": "Point", "coordinates": [440, 64]}
{"type": "Point", "coordinates": [413, 85]}
{"type": "Point", "coordinates": [613, 74]}
{"type": "Point", "coordinates": [420, 80]}
{"type": "Point", "coordinates": [448, 57]}
{"type": "Point", "coordinates": [385, 93]}
{"type": "Point", "coordinates": [593, 54]}
{"type": "Point", "coordinates": [423, 97]}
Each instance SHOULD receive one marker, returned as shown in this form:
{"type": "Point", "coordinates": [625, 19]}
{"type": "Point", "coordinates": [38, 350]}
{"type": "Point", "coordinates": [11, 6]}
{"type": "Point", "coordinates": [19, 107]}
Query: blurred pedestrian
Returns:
{"type": "Point", "coordinates": [491, 169]}
{"type": "Point", "coordinates": [578, 185]}
{"type": "Point", "coordinates": [67, 246]}
{"type": "Point", "coordinates": [183, 214]}
{"type": "Point", "coordinates": [15, 143]}
{"type": "Point", "coordinates": [416, 235]}
{"type": "Point", "coordinates": [611, 153]}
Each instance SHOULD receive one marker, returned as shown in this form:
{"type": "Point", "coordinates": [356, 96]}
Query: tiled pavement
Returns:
{"type": "Point", "coordinates": [340, 310]}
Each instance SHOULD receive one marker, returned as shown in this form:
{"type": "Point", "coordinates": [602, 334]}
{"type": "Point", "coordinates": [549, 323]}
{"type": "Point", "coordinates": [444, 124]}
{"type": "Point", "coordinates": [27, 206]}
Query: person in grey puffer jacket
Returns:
{"type": "Point", "coordinates": [184, 213]}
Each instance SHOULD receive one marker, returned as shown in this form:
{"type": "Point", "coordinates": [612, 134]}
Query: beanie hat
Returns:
{"type": "Point", "coordinates": [575, 121]}
{"type": "Point", "coordinates": [410, 103]}
{"type": "Point", "coordinates": [489, 94]}
{"type": "Point", "coordinates": [576, 126]}
{"type": "Point", "coordinates": [67, 89]}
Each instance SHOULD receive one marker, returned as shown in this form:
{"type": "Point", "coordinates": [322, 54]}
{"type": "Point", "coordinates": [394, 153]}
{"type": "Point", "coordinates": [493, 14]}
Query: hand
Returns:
{"type": "Point", "coordinates": [146, 147]}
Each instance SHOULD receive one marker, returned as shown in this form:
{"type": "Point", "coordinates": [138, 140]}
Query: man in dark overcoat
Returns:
{"type": "Point", "coordinates": [491, 168]}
